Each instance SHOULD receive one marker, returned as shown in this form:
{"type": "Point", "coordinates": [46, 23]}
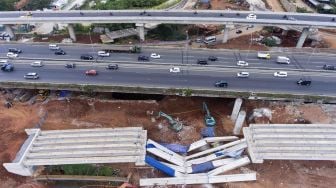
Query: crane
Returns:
{"type": "Point", "coordinates": [209, 120]}
{"type": "Point", "coordinates": [174, 124]}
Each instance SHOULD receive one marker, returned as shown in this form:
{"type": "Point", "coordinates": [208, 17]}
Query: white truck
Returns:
{"type": "Point", "coordinates": [283, 60]}
{"type": "Point", "coordinates": [263, 55]}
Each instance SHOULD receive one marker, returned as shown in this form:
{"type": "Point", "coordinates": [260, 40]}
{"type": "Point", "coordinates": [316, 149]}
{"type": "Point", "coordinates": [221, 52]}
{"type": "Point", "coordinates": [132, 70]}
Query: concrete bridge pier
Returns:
{"type": "Point", "coordinates": [304, 35]}
{"type": "Point", "coordinates": [10, 31]}
{"type": "Point", "coordinates": [72, 33]}
{"type": "Point", "coordinates": [226, 33]}
{"type": "Point", "coordinates": [141, 30]}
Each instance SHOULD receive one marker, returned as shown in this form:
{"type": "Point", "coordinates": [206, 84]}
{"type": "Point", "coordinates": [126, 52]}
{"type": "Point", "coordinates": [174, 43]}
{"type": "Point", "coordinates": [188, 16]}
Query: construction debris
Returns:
{"type": "Point", "coordinates": [204, 168]}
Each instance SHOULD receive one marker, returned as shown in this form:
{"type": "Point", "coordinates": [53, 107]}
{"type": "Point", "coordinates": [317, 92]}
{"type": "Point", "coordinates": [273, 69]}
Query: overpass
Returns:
{"type": "Point", "coordinates": [141, 17]}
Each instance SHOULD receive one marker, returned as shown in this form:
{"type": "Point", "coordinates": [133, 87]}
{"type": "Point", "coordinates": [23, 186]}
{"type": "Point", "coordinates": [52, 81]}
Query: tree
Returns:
{"type": "Point", "coordinates": [37, 4]}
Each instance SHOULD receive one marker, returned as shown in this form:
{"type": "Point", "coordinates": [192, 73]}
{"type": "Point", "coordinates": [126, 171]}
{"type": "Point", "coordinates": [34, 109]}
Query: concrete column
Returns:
{"type": "Point", "coordinates": [141, 31]}
{"type": "Point", "coordinates": [236, 109]}
{"type": "Point", "coordinates": [239, 123]}
{"type": "Point", "coordinates": [304, 34]}
{"type": "Point", "coordinates": [19, 168]}
{"type": "Point", "coordinates": [10, 31]}
{"type": "Point", "coordinates": [226, 34]}
{"type": "Point", "coordinates": [72, 33]}
{"type": "Point", "coordinates": [284, 32]}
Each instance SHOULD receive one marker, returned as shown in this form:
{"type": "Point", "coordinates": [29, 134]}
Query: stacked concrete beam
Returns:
{"type": "Point", "coordinates": [291, 142]}
{"type": "Point", "coordinates": [81, 146]}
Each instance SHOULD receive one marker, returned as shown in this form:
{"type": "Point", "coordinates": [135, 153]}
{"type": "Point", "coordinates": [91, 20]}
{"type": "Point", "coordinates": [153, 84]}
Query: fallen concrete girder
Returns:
{"type": "Point", "coordinates": [79, 146]}
{"type": "Point", "coordinates": [291, 142]}
{"type": "Point", "coordinates": [198, 179]}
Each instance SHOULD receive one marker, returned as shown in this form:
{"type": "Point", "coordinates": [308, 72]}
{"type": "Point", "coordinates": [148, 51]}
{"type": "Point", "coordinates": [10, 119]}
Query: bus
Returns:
{"type": "Point", "coordinates": [209, 40]}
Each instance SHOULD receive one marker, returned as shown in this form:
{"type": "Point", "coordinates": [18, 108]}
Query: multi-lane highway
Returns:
{"type": "Point", "coordinates": [172, 17]}
{"type": "Point", "coordinates": [156, 72]}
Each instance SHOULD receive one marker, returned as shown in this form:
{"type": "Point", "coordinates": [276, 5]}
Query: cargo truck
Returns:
{"type": "Point", "coordinates": [283, 60]}
{"type": "Point", "coordinates": [122, 49]}
{"type": "Point", "coordinates": [262, 55]}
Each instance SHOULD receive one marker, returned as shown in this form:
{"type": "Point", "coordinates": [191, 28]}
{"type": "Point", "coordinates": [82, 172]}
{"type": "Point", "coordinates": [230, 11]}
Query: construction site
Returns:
{"type": "Point", "coordinates": [73, 139]}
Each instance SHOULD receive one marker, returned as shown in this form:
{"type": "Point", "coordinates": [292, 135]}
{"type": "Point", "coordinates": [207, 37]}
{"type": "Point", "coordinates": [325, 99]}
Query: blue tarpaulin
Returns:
{"type": "Point", "coordinates": [156, 164]}
{"type": "Point", "coordinates": [208, 132]}
{"type": "Point", "coordinates": [64, 93]}
{"type": "Point", "coordinates": [203, 167]}
{"type": "Point", "coordinates": [178, 148]}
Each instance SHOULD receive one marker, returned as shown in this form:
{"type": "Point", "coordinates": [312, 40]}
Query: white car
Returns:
{"type": "Point", "coordinates": [155, 56]}
{"type": "Point", "coordinates": [251, 17]}
{"type": "Point", "coordinates": [280, 74]}
{"type": "Point", "coordinates": [242, 63]}
{"type": "Point", "coordinates": [103, 54]}
{"type": "Point", "coordinates": [37, 64]}
{"type": "Point", "coordinates": [243, 74]}
{"type": "Point", "coordinates": [12, 55]}
{"type": "Point", "coordinates": [175, 69]}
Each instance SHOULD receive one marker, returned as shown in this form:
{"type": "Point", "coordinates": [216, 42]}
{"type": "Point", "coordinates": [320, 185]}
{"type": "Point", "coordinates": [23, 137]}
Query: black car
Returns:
{"type": "Point", "coordinates": [329, 67]}
{"type": "Point", "coordinates": [86, 57]}
{"type": "Point", "coordinates": [15, 50]}
{"type": "Point", "coordinates": [303, 82]}
{"type": "Point", "coordinates": [212, 58]}
{"type": "Point", "coordinates": [221, 83]}
{"type": "Point", "coordinates": [70, 65]}
{"type": "Point", "coordinates": [143, 58]}
{"type": "Point", "coordinates": [202, 62]}
{"type": "Point", "coordinates": [112, 66]}
{"type": "Point", "coordinates": [60, 52]}
{"type": "Point", "coordinates": [239, 31]}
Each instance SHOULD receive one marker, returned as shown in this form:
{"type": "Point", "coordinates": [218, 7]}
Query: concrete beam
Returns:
{"type": "Point", "coordinates": [304, 35]}
{"type": "Point", "coordinates": [233, 165]}
{"type": "Point", "coordinates": [9, 30]}
{"type": "Point", "coordinates": [215, 149]}
{"type": "Point", "coordinates": [75, 131]}
{"type": "Point", "coordinates": [88, 140]}
{"type": "Point", "coordinates": [72, 33]}
{"type": "Point", "coordinates": [236, 109]}
{"type": "Point", "coordinates": [197, 179]}
{"type": "Point", "coordinates": [239, 122]}
{"type": "Point", "coordinates": [97, 160]}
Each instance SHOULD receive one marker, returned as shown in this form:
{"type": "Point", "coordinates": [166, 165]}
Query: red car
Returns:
{"type": "Point", "coordinates": [91, 72]}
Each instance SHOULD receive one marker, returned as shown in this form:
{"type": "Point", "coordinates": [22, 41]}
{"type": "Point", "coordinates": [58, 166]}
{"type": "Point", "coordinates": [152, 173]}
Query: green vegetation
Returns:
{"type": "Point", "coordinates": [303, 10]}
{"type": "Point", "coordinates": [9, 5]}
{"type": "Point", "coordinates": [37, 4]}
{"type": "Point", "coordinates": [128, 4]}
{"type": "Point", "coordinates": [166, 4]}
{"type": "Point", "coordinates": [269, 41]}
{"type": "Point", "coordinates": [83, 169]}
{"type": "Point", "coordinates": [168, 32]}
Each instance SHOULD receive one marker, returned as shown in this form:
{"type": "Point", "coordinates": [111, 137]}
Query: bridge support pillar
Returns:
{"type": "Point", "coordinates": [239, 122]}
{"type": "Point", "coordinates": [141, 31]}
{"type": "Point", "coordinates": [236, 109]}
{"type": "Point", "coordinates": [304, 35]}
{"type": "Point", "coordinates": [9, 31]}
{"type": "Point", "coordinates": [72, 33]}
{"type": "Point", "coordinates": [226, 33]}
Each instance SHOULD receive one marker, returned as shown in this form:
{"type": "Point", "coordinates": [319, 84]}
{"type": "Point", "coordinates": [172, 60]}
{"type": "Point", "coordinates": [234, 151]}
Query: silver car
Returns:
{"type": "Point", "coordinates": [243, 74]}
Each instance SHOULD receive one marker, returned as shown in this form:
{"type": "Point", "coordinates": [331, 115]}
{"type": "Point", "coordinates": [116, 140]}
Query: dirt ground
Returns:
{"type": "Point", "coordinates": [105, 111]}
{"type": "Point", "coordinates": [226, 4]}
{"type": "Point", "coordinates": [85, 39]}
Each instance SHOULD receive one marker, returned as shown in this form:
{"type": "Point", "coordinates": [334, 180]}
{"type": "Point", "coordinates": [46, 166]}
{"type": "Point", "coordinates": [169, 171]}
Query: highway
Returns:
{"type": "Point", "coordinates": [172, 17]}
{"type": "Point", "coordinates": [156, 72]}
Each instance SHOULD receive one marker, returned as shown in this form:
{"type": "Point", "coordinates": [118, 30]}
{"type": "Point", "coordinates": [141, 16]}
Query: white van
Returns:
{"type": "Point", "coordinates": [283, 60]}
{"type": "Point", "coordinates": [37, 64]}
{"type": "Point", "coordinates": [209, 40]}
{"type": "Point", "coordinates": [53, 47]}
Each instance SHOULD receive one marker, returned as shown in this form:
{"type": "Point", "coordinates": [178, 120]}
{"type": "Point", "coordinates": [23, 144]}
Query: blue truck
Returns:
{"type": "Point", "coordinates": [7, 67]}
